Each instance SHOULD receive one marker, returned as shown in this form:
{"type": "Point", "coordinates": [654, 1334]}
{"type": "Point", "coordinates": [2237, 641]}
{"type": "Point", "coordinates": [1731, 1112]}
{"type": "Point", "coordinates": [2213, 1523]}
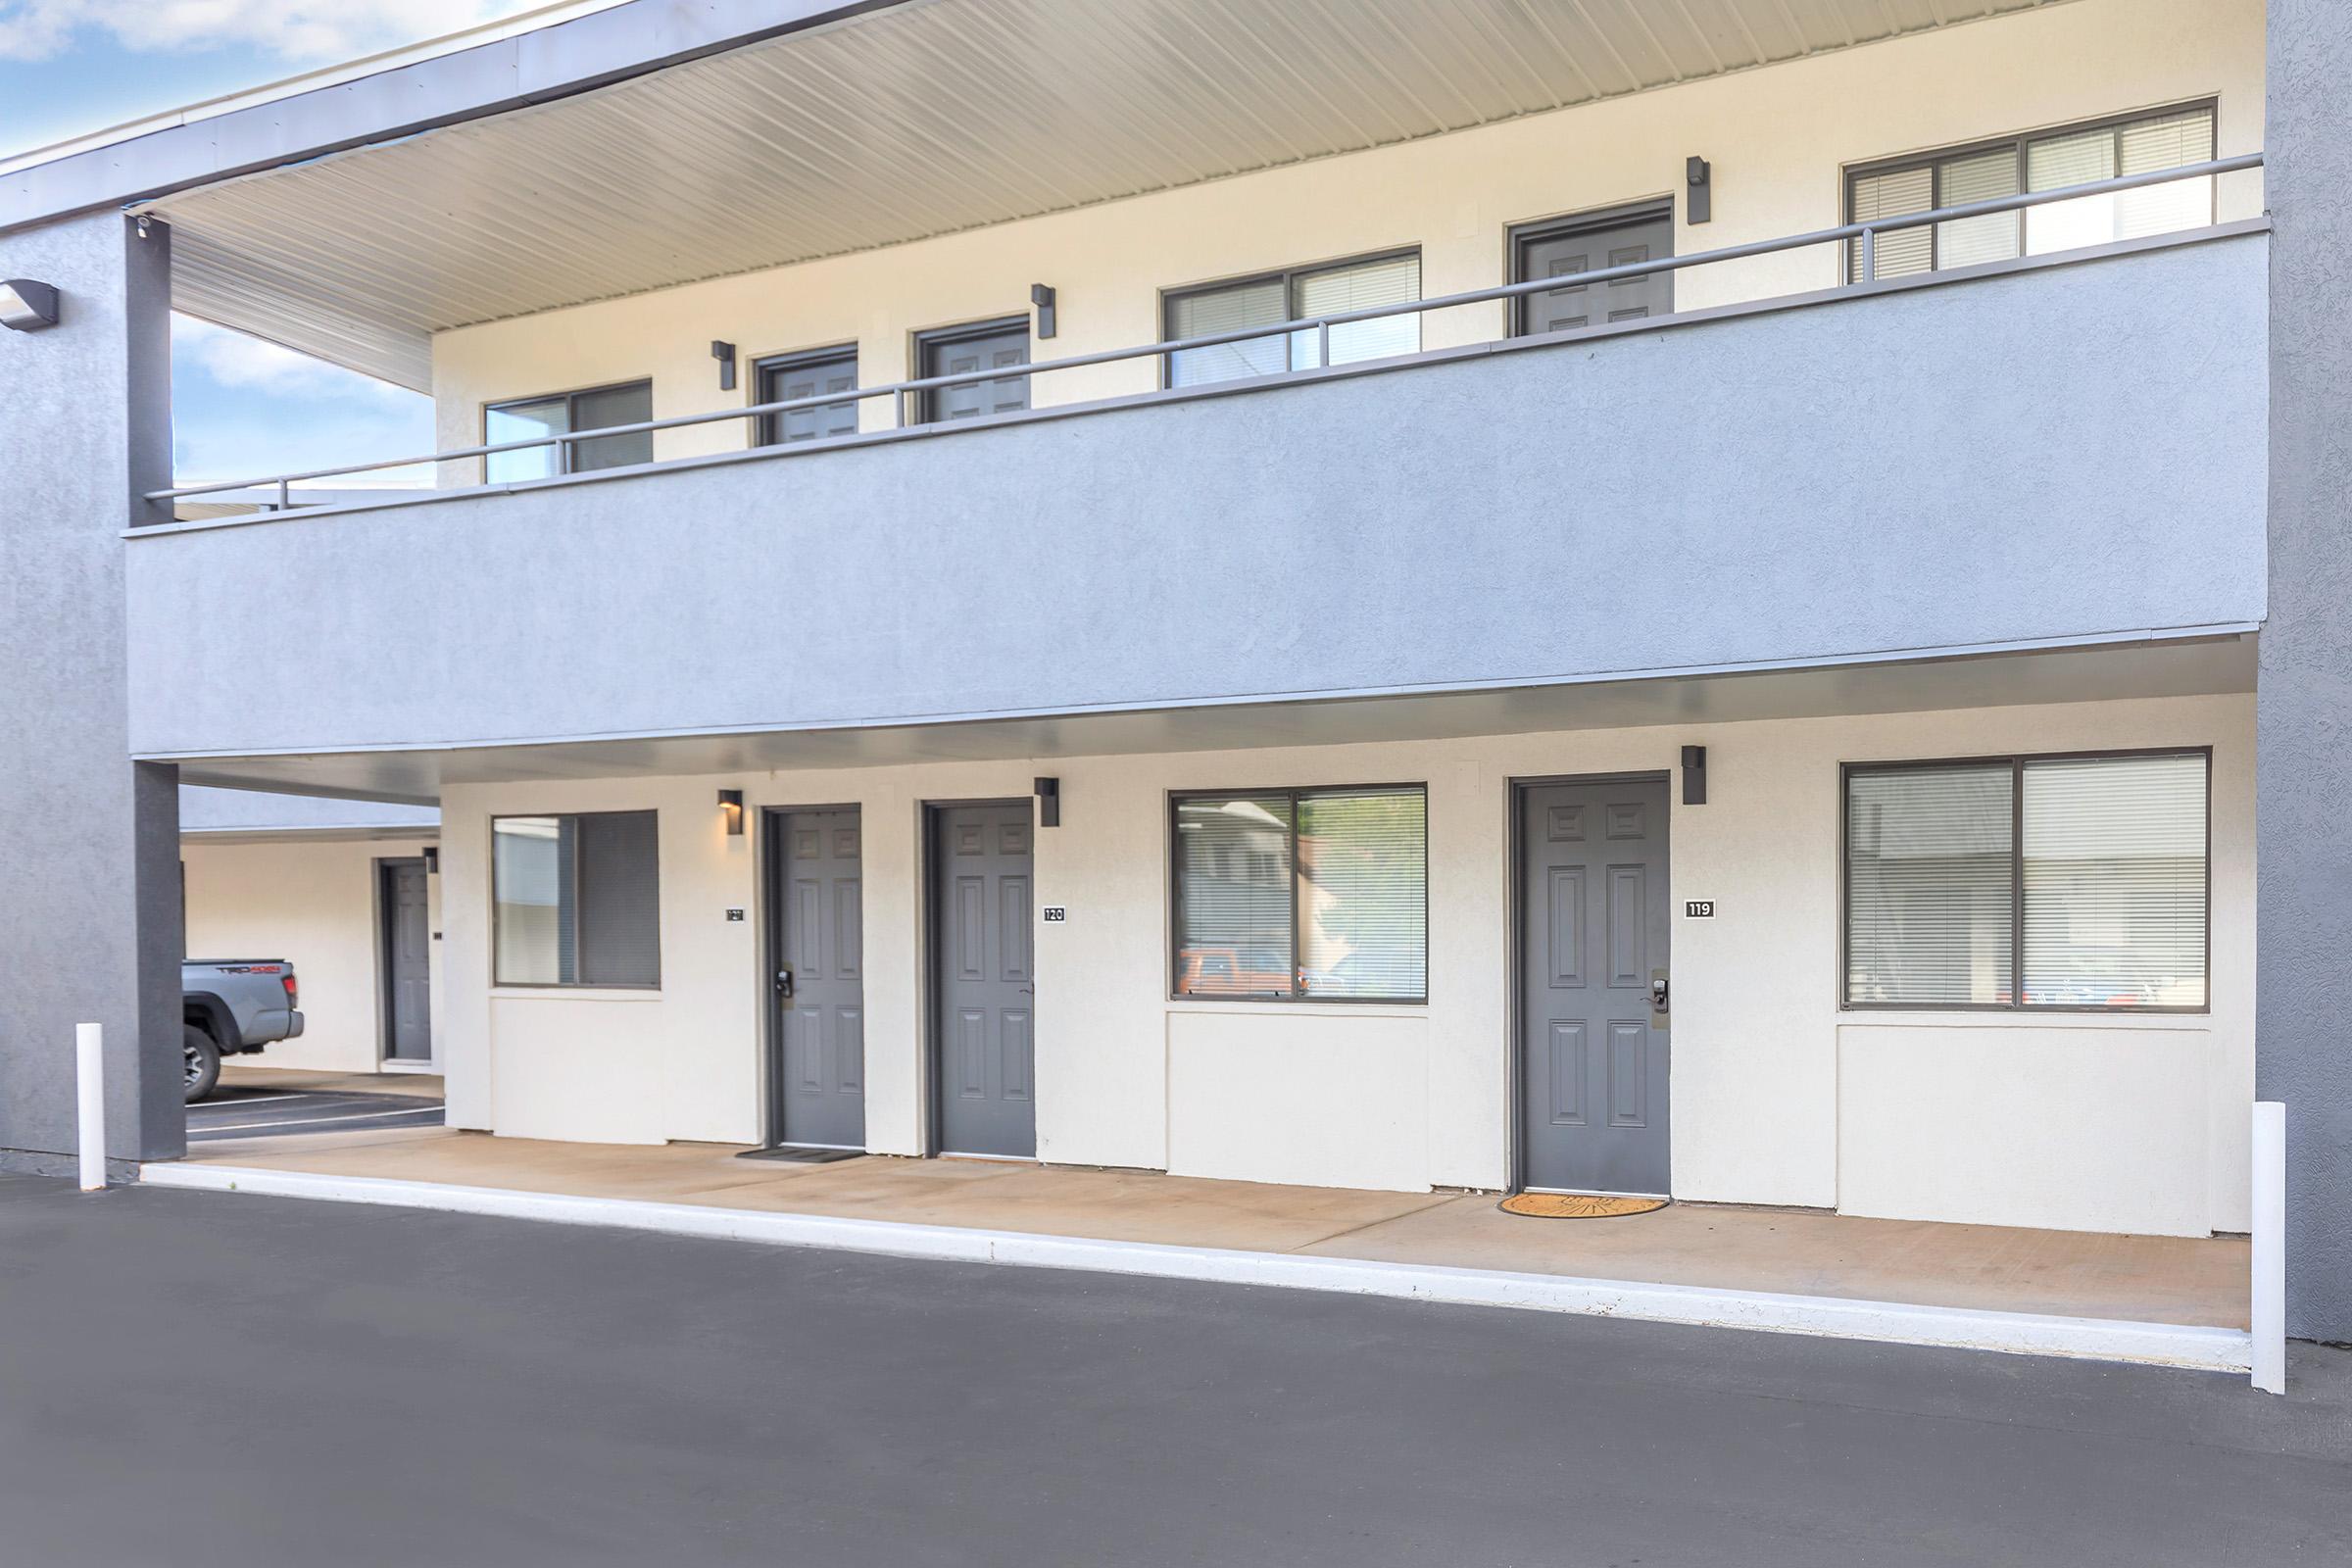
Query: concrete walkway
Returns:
{"type": "Point", "coordinates": [2170, 1280]}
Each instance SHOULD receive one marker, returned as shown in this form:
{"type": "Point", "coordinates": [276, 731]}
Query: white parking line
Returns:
{"type": "Point", "coordinates": [243, 1115]}
{"type": "Point", "coordinates": [266, 1098]}
{"type": "Point", "coordinates": [236, 1108]}
{"type": "Point", "coordinates": [321, 1121]}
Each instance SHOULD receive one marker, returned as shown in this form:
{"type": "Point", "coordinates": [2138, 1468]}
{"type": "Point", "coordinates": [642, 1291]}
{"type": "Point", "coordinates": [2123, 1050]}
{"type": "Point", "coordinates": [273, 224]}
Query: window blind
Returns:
{"type": "Point", "coordinates": [2171, 141]}
{"type": "Point", "coordinates": [2109, 151]}
{"type": "Point", "coordinates": [1292, 296]}
{"type": "Point", "coordinates": [1978, 178]}
{"type": "Point", "coordinates": [2052, 162]}
{"type": "Point", "coordinates": [2048, 162]}
{"type": "Point", "coordinates": [2103, 857]}
{"type": "Point", "coordinates": [2115, 882]}
{"type": "Point", "coordinates": [1233, 895]}
{"type": "Point", "coordinates": [1928, 890]}
{"type": "Point", "coordinates": [1321, 895]}
{"type": "Point", "coordinates": [1363, 901]}
{"type": "Point", "coordinates": [1894, 194]}
{"type": "Point", "coordinates": [1264, 302]}
{"type": "Point", "coordinates": [1360, 287]}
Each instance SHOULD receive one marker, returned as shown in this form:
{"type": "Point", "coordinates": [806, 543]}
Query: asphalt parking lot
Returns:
{"type": "Point", "coordinates": [238, 1110]}
{"type": "Point", "coordinates": [202, 1379]}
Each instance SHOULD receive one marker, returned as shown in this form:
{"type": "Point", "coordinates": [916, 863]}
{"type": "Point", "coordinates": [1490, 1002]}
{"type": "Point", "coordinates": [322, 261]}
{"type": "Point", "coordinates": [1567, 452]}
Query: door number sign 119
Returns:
{"type": "Point", "coordinates": [1699, 909]}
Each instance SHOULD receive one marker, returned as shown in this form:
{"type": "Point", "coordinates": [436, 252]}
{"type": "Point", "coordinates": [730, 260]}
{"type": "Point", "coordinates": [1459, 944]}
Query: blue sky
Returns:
{"type": "Point", "coordinates": [240, 408]}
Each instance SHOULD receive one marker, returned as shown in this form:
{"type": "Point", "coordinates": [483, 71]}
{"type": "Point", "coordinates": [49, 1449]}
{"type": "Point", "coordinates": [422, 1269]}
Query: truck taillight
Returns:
{"type": "Point", "coordinates": [293, 991]}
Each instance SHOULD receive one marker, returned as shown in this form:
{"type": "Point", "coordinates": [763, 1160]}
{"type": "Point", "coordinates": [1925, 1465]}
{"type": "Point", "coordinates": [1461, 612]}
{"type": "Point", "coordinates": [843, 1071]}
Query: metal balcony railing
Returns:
{"type": "Point", "coordinates": [1864, 235]}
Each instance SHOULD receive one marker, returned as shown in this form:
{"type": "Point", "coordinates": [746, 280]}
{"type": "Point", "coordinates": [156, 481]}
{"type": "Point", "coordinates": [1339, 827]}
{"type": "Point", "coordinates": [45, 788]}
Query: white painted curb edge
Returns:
{"type": "Point", "coordinates": [2021, 1332]}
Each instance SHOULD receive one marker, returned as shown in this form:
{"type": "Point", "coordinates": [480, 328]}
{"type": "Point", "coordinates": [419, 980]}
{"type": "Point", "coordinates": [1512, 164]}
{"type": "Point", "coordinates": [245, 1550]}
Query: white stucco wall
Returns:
{"type": "Point", "coordinates": [1778, 139]}
{"type": "Point", "coordinates": [2086, 1120]}
{"type": "Point", "coordinates": [311, 901]}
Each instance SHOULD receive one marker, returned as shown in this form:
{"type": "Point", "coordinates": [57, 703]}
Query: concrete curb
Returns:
{"type": "Point", "coordinates": [2018, 1333]}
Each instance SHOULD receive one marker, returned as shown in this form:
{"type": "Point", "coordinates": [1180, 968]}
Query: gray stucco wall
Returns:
{"type": "Point", "coordinates": [88, 842]}
{"type": "Point", "coordinates": [2303, 1048]}
{"type": "Point", "coordinates": [2064, 452]}
{"type": "Point", "coordinates": [218, 811]}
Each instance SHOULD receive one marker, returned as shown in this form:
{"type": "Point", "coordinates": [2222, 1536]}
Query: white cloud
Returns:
{"type": "Point", "coordinates": [295, 31]}
{"type": "Point", "coordinates": [210, 446]}
{"type": "Point", "coordinates": [234, 359]}
{"type": "Point", "coordinates": [241, 407]}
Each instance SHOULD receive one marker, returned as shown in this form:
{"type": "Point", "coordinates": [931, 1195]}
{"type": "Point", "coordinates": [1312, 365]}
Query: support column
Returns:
{"type": "Point", "coordinates": [2303, 1032]}
{"type": "Point", "coordinates": [89, 842]}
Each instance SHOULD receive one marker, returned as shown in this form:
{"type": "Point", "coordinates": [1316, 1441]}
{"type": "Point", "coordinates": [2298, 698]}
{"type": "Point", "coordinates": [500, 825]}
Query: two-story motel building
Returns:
{"type": "Point", "coordinates": [1848, 725]}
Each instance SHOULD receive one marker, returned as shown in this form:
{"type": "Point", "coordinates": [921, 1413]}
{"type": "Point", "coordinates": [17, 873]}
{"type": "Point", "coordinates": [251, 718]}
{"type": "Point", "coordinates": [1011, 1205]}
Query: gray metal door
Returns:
{"type": "Point", "coordinates": [808, 375]}
{"type": "Point", "coordinates": [1594, 930]}
{"type": "Point", "coordinates": [816, 932]}
{"type": "Point", "coordinates": [984, 980]}
{"type": "Point", "coordinates": [1562, 250]}
{"type": "Point", "coordinates": [1000, 345]}
{"type": "Point", "coordinates": [408, 964]}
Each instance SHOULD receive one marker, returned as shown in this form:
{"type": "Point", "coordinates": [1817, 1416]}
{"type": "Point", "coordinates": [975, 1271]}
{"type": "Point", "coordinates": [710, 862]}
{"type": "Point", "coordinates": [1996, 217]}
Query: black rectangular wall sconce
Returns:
{"type": "Point", "coordinates": [724, 354]}
{"type": "Point", "coordinates": [1049, 802]}
{"type": "Point", "coordinates": [1041, 295]}
{"type": "Point", "coordinates": [432, 859]}
{"type": "Point", "coordinates": [1699, 176]}
{"type": "Point", "coordinates": [1695, 775]}
{"type": "Point", "coordinates": [730, 806]}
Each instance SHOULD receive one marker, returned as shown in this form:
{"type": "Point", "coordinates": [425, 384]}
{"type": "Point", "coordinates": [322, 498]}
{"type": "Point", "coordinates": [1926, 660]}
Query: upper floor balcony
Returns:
{"type": "Point", "coordinates": [1151, 370]}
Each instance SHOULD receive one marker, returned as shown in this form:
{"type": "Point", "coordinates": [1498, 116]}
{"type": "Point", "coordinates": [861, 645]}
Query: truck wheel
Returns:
{"type": "Point", "coordinates": [203, 1062]}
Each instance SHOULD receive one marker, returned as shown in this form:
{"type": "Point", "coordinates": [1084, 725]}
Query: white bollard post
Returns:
{"type": "Point", "coordinates": [89, 1081]}
{"type": "Point", "coordinates": [2270, 1246]}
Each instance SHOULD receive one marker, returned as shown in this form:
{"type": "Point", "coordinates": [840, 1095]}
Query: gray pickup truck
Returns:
{"type": "Point", "coordinates": [231, 1006]}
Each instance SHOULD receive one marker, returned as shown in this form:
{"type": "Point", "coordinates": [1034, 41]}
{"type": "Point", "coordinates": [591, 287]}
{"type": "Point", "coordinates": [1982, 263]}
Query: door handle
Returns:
{"type": "Point", "coordinates": [1657, 992]}
{"type": "Point", "coordinates": [784, 984]}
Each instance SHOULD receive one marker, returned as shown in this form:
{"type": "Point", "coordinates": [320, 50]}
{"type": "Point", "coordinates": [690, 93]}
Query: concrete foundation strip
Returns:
{"type": "Point", "coordinates": [2020, 1333]}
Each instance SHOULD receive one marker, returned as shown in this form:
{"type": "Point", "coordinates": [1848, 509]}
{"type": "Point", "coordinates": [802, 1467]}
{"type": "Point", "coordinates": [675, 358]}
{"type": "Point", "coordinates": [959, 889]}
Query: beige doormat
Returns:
{"type": "Point", "coordinates": [1577, 1205]}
